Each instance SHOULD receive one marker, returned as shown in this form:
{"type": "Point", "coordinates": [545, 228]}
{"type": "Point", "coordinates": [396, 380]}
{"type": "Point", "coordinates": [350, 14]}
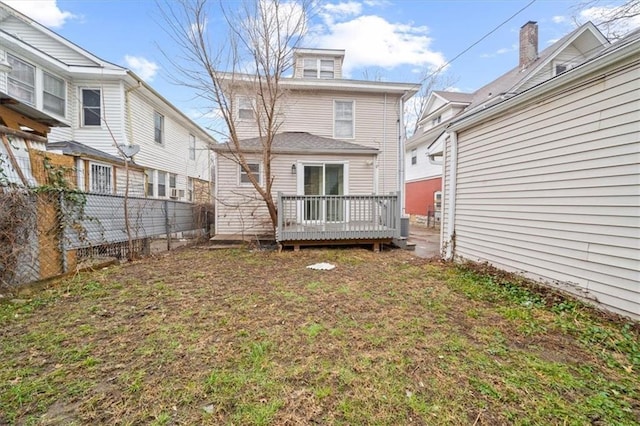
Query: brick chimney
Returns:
{"type": "Point", "coordinates": [528, 44]}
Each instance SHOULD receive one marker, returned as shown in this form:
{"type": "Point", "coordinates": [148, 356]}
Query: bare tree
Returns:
{"type": "Point", "coordinates": [248, 64]}
{"type": "Point", "coordinates": [431, 81]}
{"type": "Point", "coordinates": [614, 21]}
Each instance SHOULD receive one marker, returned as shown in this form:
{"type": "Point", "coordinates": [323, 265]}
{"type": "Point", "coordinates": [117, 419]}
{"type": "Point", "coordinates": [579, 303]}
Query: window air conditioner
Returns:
{"type": "Point", "coordinates": [173, 192]}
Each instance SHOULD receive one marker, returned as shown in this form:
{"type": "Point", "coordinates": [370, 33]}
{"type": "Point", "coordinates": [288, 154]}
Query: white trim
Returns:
{"type": "Point", "coordinates": [111, 183]}
{"type": "Point", "coordinates": [451, 211]}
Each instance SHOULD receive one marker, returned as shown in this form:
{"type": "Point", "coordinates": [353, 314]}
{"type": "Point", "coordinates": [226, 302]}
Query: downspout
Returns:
{"type": "Point", "coordinates": [401, 155]}
{"type": "Point", "coordinates": [384, 145]}
{"type": "Point", "coordinates": [451, 216]}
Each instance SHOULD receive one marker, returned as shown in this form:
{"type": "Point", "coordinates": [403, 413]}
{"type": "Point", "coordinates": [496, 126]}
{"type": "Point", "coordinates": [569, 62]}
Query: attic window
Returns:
{"type": "Point", "coordinates": [436, 120]}
{"type": "Point", "coordinates": [318, 68]}
{"type": "Point", "coordinates": [560, 67]}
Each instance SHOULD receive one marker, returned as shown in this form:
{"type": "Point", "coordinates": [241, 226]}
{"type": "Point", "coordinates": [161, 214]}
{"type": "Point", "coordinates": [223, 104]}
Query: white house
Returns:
{"type": "Point", "coordinates": [102, 106]}
{"type": "Point", "coordinates": [338, 138]}
{"type": "Point", "coordinates": [546, 182]}
{"type": "Point", "coordinates": [423, 177]}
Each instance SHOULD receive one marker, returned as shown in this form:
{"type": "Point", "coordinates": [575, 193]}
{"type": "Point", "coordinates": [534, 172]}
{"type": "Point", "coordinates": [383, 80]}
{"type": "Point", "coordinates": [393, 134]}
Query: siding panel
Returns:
{"type": "Point", "coordinates": [552, 189]}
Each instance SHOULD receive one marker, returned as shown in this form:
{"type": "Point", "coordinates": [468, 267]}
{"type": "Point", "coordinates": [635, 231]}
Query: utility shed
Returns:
{"type": "Point", "coordinates": [547, 183]}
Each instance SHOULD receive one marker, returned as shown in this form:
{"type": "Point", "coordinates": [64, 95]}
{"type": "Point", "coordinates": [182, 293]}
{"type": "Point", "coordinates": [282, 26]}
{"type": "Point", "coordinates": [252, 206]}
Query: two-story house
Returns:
{"type": "Point", "coordinates": [423, 171]}
{"type": "Point", "coordinates": [102, 106]}
{"type": "Point", "coordinates": [338, 139]}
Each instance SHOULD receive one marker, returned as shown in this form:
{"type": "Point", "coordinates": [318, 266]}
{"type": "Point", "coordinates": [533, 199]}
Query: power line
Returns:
{"type": "Point", "coordinates": [480, 40]}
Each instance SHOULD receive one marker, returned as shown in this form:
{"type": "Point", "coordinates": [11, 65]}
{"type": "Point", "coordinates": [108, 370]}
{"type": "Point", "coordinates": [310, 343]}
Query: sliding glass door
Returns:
{"type": "Point", "coordinates": [323, 180]}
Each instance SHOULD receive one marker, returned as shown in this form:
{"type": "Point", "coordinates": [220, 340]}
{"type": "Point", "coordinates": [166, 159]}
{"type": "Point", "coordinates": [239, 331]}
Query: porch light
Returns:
{"type": "Point", "coordinates": [293, 169]}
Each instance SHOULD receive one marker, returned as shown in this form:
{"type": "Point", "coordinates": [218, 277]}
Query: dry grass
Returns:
{"type": "Point", "coordinates": [238, 337]}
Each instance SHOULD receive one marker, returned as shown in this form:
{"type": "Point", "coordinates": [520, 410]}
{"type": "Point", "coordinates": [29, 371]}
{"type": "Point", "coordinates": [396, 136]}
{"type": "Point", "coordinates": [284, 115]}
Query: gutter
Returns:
{"type": "Point", "coordinates": [449, 242]}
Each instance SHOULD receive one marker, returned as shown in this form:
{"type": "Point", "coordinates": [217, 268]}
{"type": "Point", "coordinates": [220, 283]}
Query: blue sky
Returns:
{"type": "Point", "coordinates": [394, 40]}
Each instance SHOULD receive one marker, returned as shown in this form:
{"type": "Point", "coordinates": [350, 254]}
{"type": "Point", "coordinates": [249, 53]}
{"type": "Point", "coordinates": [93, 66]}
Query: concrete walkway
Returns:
{"type": "Point", "coordinates": [427, 240]}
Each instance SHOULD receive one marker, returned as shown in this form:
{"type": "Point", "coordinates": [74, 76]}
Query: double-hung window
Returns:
{"type": "Point", "coordinates": [255, 171]}
{"type": "Point", "coordinates": [149, 175]}
{"type": "Point", "coordinates": [245, 108]}
{"type": "Point", "coordinates": [158, 126]}
{"type": "Point", "coordinates": [162, 184]}
{"type": "Point", "coordinates": [343, 119]}
{"type": "Point", "coordinates": [190, 189]}
{"type": "Point", "coordinates": [21, 80]}
{"type": "Point", "coordinates": [91, 107]}
{"type": "Point", "coordinates": [414, 156]}
{"type": "Point", "coordinates": [317, 68]}
{"type": "Point", "coordinates": [53, 94]}
{"type": "Point", "coordinates": [101, 179]}
{"type": "Point", "coordinates": [192, 147]}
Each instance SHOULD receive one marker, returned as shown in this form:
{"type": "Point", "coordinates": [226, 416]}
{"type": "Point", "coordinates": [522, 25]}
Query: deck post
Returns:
{"type": "Point", "coordinates": [398, 215]}
{"type": "Point", "coordinates": [280, 217]}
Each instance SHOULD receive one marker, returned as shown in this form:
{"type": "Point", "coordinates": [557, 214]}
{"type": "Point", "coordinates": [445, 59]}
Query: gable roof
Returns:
{"type": "Point", "coordinates": [625, 47]}
{"type": "Point", "coordinates": [454, 97]}
{"type": "Point", "coordinates": [509, 83]}
{"type": "Point", "coordinates": [300, 143]}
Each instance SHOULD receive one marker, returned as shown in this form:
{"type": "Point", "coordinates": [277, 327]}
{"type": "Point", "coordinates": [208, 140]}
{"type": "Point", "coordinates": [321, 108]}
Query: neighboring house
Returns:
{"type": "Point", "coordinates": [102, 105]}
{"type": "Point", "coordinates": [546, 182]}
{"type": "Point", "coordinates": [423, 177]}
{"type": "Point", "coordinates": [424, 174]}
{"type": "Point", "coordinates": [99, 172]}
{"type": "Point", "coordinates": [338, 139]}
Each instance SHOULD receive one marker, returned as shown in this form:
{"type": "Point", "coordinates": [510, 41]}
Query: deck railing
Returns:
{"type": "Point", "coordinates": [337, 217]}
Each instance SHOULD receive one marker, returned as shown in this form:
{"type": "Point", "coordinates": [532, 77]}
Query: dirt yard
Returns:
{"type": "Point", "coordinates": [238, 337]}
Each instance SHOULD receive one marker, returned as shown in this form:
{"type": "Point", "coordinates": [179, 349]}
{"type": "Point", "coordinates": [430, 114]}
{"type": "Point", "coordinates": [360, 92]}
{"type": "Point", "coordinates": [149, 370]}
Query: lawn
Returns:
{"type": "Point", "coordinates": [240, 337]}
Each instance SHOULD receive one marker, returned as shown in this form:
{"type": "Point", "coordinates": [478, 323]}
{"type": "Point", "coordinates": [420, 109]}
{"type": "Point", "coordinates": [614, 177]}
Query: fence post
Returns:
{"type": "Point", "coordinates": [167, 224]}
{"type": "Point", "coordinates": [62, 230]}
{"type": "Point", "coordinates": [398, 220]}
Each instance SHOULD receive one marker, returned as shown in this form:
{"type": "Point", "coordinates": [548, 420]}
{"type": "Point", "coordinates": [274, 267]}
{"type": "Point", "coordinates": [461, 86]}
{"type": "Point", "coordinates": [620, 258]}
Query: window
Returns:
{"type": "Point", "coordinates": [91, 107]}
{"type": "Point", "coordinates": [53, 94]}
{"type": "Point", "coordinates": [436, 120]}
{"type": "Point", "coordinates": [21, 80]}
{"type": "Point", "coordinates": [162, 184]}
{"type": "Point", "coordinates": [255, 171]}
{"type": "Point", "coordinates": [414, 156]}
{"type": "Point", "coordinates": [100, 179]}
{"type": "Point", "coordinates": [172, 180]}
{"type": "Point", "coordinates": [158, 125]}
{"type": "Point", "coordinates": [149, 174]}
{"type": "Point", "coordinates": [245, 108]}
{"type": "Point", "coordinates": [317, 68]}
{"type": "Point", "coordinates": [190, 189]}
{"type": "Point", "coordinates": [192, 147]}
{"type": "Point", "coordinates": [560, 67]}
{"type": "Point", "coordinates": [343, 114]}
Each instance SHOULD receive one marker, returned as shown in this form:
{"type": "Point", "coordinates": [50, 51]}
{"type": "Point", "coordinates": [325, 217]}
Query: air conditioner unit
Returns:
{"type": "Point", "coordinates": [173, 192]}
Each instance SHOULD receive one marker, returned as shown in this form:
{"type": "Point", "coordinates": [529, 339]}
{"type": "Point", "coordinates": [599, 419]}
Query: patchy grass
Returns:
{"type": "Point", "coordinates": [238, 337]}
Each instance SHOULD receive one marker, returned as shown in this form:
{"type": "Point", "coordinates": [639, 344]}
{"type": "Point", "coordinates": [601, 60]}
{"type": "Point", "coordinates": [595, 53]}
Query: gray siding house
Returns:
{"type": "Point", "coordinates": [338, 140]}
{"type": "Point", "coordinates": [546, 183]}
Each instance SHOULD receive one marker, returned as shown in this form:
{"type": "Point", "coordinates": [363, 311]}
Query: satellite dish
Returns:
{"type": "Point", "coordinates": [129, 150]}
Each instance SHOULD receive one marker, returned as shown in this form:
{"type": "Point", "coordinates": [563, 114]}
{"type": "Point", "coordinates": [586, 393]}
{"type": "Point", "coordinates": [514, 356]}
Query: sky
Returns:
{"type": "Point", "coordinates": [388, 40]}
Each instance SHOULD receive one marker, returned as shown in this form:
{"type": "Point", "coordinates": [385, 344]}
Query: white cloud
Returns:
{"type": "Point", "coordinates": [598, 14]}
{"type": "Point", "coordinates": [344, 9]}
{"type": "Point", "coordinates": [46, 12]}
{"type": "Point", "coordinates": [371, 40]}
{"type": "Point", "coordinates": [558, 19]}
{"type": "Point", "coordinates": [142, 66]}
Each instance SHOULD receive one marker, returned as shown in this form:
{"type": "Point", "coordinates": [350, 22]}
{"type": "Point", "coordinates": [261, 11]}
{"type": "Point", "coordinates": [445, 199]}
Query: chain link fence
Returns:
{"type": "Point", "coordinates": [48, 233]}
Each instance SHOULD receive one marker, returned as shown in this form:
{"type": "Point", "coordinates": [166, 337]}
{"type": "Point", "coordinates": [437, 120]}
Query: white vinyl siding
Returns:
{"type": "Point", "coordinates": [552, 190]}
{"type": "Point", "coordinates": [376, 118]}
{"type": "Point", "coordinates": [243, 211]}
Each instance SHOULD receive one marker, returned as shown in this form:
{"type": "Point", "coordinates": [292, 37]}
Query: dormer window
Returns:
{"type": "Point", "coordinates": [436, 120]}
{"type": "Point", "coordinates": [318, 68]}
